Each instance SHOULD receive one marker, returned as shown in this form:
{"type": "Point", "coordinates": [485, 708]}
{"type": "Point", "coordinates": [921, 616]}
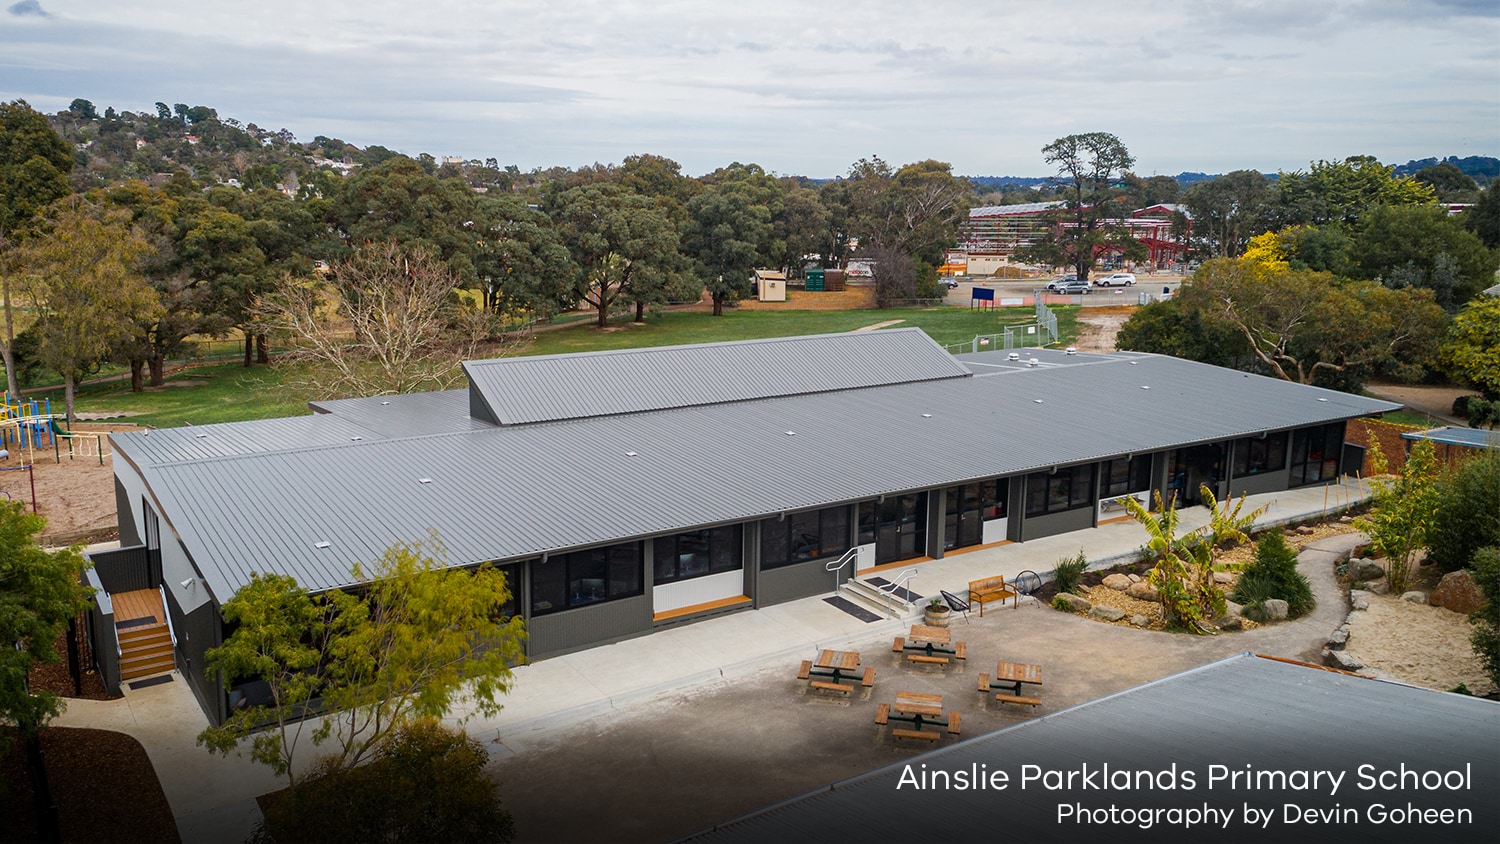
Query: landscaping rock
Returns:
{"type": "Point", "coordinates": [1117, 582]}
{"type": "Point", "coordinates": [1107, 613]}
{"type": "Point", "coordinates": [1378, 587]}
{"type": "Point", "coordinates": [1458, 592]}
{"type": "Point", "coordinates": [1414, 597]}
{"type": "Point", "coordinates": [1306, 530]}
{"type": "Point", "coordinates": [1143, 591]}
{"type": "Point", "coordinates": [1141, 620]}
{"type": "Point", "coordinates": [1359, 599]}
{"type": "Point", "coordinates": [1233, 610]}
{"type": "Point", "coordinates": [1343, 660]}
{"type": "Point", "coordinates": [1134, 578]}
{"type": "Point", "coordinates": [1272, 609]}
{"type": "Point", "coordinates": [1075, 603]}
{"type": "Point", "coordinates": [1346, 518]}
{"type": "Point", "coordinates": [1223, 577]}
{"type": "Point", "coordinates": [1231, 622]}
{"type": "Point", "coordinates": [1362, 568]}
{"type": "Point", "coordinates": [1339, 638]}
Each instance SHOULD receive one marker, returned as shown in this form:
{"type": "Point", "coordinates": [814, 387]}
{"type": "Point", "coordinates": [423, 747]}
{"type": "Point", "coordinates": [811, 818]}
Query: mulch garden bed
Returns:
{"type": "Point", "coordinates": [54, 677]}
{"type": "Point", "coordinates": [1092, 578]}
{"type": "Point", "coordinates": [103, 783]}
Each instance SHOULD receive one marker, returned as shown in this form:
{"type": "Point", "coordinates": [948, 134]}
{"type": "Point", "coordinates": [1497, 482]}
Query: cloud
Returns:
{"type": "Point", "coordinates": [28, 8]}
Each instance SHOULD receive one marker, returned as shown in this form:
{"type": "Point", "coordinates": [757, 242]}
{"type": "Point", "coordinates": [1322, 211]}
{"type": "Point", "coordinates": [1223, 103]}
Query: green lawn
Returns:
{"type": "Point", "coordinates": [228, 392]}
{"type": "Point", "coordinates": [1412, 417]}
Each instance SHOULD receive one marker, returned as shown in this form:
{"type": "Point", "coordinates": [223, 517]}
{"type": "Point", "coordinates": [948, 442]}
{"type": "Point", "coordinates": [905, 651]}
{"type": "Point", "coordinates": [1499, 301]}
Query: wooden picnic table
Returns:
{"type": "Point", "coordinates": [929, 644]}
{"type": "Point", "coordinates": [918, 710]}
{"type": "Point", "coordinates": [1010, 675]}
{"type": "Point", "coordinates": [837, 666]}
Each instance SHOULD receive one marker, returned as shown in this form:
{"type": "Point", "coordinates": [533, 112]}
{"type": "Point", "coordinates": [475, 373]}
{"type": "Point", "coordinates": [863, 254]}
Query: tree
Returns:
{"type": "Point", "coordinates": [521, 259]}
{"type": "Point", "coordinates": [801, 227]}
{"type": "Point", "coordinates": [384, 320]}
{"type": "Point", "coordinates": [83, 109]}
{"type": "Point", "coordinates": [1309, 328]}
{"type": "Point", "coordinates": [1422, 246]}
{"type": "Point", "coordinates": [1402, 511]}
{"type": "Point", "coordinates": [218, 247]}
{"type": "Point", "coordinates": [1484, 218]}
{"type": "Point", "coordinates": [1153, 190]}
{"type": "Point", "coordinates": [1465, 517]}
{"type": "Point", "coordinates": [400, 201]}
{"type": "Point", "coordinates": [40, 592]}
{"type": "Point", "coordinates": [1342, 191]}
{"type": "Point", "coordinates": [614, 237]}
{"type": "Point", "coordinates": [417, 637]}
{"type": "Point", "coordinates": [1448, 182]}
{"type": "Point", "coordinates": [1088, 166]}
{"type": "Point", "coordinates": [1472, 352]}
{"type": "Point", "coordinates": [1229, 210]}
{"type": "Point", "coordinates": [1485, 568]}
{"type": "Point", "coordinates": [80, 267]}
{"type": "Point", "coordinates": [726, 235]}
{"type": "Point", "coordinates": [917, 211]}
{"type": "Point", "coordinates": [34, 164]}
{"type": "Point", "coordinates": [1169, 328]}
{"type": "Point", "coordinates": [1184, 565]}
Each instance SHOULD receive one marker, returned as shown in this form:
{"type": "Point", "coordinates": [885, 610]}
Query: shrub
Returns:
{"type": "Point", "coordinates": [1461, 406]}
{"type": "Point", "coordinates": [1485, 567]}
{"type": "Point", "coordinates": [1274, 575]}
{"type": "Point", "coordinates": [1059, 604]}
{"type": "Point", "coordinates": [426, 784]}
{"type": "Point", "coordinates": [1069, 570]}
{"type": "Point", "coordinates": [1467, 517]}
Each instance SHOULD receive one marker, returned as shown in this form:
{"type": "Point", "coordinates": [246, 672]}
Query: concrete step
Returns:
{"type": "Point", "coordinates": [886, 603]}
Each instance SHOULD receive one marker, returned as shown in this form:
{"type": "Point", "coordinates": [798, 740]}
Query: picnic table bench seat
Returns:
{"type": "Point", "coordinates": [831, 687]}
{"type": "Point", "coordinates": [917, 734]}
{"type": "Point", "coordinates": [988, 589]}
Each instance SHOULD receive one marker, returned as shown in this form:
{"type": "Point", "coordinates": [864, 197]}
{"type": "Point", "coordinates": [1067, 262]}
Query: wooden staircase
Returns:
{"type": "Point", "coordinates": [145, 646]}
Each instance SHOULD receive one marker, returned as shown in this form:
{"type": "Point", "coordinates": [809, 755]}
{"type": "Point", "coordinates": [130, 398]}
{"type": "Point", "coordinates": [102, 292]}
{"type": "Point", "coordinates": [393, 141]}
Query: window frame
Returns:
{"type": "Point", "coordinates": [1113, 486]}
{"type": "Point", "coordinates": [1301, 454]}
{"type": "Point", "coordinates": [1060, 485]}
{"type": "Point", "coordinates": [828, 520]}
{"type": "Point", "coordinates": [714, 545]}
{"type": "Point", "coordinates": [1243, 449]}
{"type": "Point", "coordinates": [574, 561]}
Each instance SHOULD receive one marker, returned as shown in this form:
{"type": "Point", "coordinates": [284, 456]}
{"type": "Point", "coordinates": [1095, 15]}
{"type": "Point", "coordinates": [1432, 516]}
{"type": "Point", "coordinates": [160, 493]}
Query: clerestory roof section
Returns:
{"type": "Point", "coordinates": [547, 388]}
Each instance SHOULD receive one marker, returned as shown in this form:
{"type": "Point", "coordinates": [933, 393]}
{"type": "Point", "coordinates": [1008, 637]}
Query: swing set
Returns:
{"type": "Point", "coordinates": [28, 425]}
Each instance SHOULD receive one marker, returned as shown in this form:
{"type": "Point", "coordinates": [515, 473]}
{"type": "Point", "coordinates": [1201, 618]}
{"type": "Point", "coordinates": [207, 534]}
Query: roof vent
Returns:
{"type": "Point", "coordinates": [1322, 399]}
{"type": "Point", "coordinates": [927, 416]}
{"type": "Point", "coordinates": [1072, 350]}
{"type": "Point", "coordinates": [200, 436]}
{"type": "Point", "coordinates": [1145, 387]}
{"type": "Point", "coordinates": [384, 403]}
{"type": "Point", "coordinates": [1013, 356]}
{"type": "Point", "coordinates": [1033, 362]}
{"type": "Point", "coordinates": [424, 480]}
{"type": "Point", "coordinates": [630, 454]}
{"type": "Point", "coordinates": [1038, 401]}
{"type": "Point", "coordinates": [791, 433]}
{"type": "Point", "coordinates": [355, 439]}
{"type": "Point", "coordinates": [320, 544]}
{"type": "Point", "coordinates": [1132, 363]}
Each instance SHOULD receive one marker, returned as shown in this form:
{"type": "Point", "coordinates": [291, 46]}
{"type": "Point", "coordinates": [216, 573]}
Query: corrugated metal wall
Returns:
{"type": "Point", "coordinates": [125, 569]}
{"type": "Point", "coordinates": [102, 636]}
{"type": "Point", "coordinates": [197, 631]}
{"type": "Point", "coordinates": [128, 534]}
{"type": "Point", "coordinates": [571, 630]}
{"type": "Point", "coordinates": [788, 583]}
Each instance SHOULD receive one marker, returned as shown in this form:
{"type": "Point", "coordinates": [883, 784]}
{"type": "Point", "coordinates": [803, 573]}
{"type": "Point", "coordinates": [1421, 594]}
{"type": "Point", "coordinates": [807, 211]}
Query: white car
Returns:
{"type": "Point", "coordinates": [1116, 280]}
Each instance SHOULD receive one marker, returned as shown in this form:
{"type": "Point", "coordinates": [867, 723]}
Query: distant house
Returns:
{"type": "Point", "coordinates": [140, 143]}
{"type": "Point", "coordinates": [192, 139]}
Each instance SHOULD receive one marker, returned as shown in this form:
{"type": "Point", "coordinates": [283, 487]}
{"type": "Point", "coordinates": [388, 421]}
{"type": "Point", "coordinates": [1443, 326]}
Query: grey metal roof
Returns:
{"type": "Point", "coordinates": [1244, 710]}
{"type": "Point", "coordinates": [1452, 435]}
{"type": "Point", "coordinates": [406, 414]}
{"type": "Point", "coordinates": [201, 442]}
{"type": "Point", "coordinates": [1009, 210]}
{"type": "Point", "coordinates": [518, 491]}
{"type": "Point", "coordinates": [574, 386]}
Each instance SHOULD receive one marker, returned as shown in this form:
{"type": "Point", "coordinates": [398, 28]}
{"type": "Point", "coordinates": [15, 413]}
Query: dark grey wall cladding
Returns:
{"type": "Point", "coordinates": [102, 635]}
{"type": "Point", "coordinates": [1052, 524]}
{"type": "Point", "coordinates": [1256, 484]}
{"type": "Point", "coordinates": [570, 630]}
{"type": "Point", "coordinates": [125, 569]}
{"type": "Point", "coordinates": [197, 632]}
{"type": "Point", "coordinates": [128, 534]}
{"type": "Point", "coordinates": [788, 583]}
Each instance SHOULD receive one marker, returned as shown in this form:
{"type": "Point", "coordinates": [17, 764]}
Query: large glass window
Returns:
{"type": "Point", "coordinates": [1315, 454]}
{"type": "Point", "coordinates": [804, 536]}
{"type": "Point", "coordinates": [586, 577]}
{"type": "Point", "coordinates": [696, 553]}
{"type": "Point", "coordinates": [1257, 455]}
{"type": "Point", "coordinates": [1126, 475]}
{"type": "Point", "coordinates": [1065, 489]}
{"type": "Point", "coordinates": [993, 496]}
{"type": "Point", "coordinates": [512, 605]}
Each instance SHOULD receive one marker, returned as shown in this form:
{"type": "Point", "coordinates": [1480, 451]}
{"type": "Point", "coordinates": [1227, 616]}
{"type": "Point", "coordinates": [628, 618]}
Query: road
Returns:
{"type": "Point", "coordinates": [1099, 297]}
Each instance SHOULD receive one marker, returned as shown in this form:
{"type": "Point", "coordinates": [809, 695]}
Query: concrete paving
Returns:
{"type": "Point", "coordinates": [739, 666]}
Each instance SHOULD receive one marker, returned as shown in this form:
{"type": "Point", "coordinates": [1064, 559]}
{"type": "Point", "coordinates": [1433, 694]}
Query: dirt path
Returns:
{"type": "Point", "coordinates": [1098, 328]}
{"type": "Point", "coordinates": [1435, 401]}
{"type": "Point", "coordinates": [879, 325]}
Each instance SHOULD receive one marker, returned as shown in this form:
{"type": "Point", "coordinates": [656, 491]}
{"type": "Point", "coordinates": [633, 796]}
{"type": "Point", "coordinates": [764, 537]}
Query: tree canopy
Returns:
{"type": "Point", "coordinates": [1088, 168]}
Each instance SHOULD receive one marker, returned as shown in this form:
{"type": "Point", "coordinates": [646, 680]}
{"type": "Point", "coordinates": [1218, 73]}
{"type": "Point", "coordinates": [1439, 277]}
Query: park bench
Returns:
{"type": "Point", "coordinates": [989, 589]}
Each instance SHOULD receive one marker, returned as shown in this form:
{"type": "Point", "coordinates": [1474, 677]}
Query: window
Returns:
{"type": "Point", "coordinates": [1315, 453]}
{"type": "Point", "coordinates": [1126, 475]}
{"type": "Point", "coordinates": [697, 553]}
{"type": "Point", "coordinates": [586, 577]}
{"type": "Point", "coordinates": [512, 605]}
{"type": "Point", "coordinates": [1066, 489]}
{"type": "Point", "coordinates": [993, 495]}
{"type": "Point", "coordinates": [804, 536]}
{"type": "Point", "coordinates": [1257, 455]}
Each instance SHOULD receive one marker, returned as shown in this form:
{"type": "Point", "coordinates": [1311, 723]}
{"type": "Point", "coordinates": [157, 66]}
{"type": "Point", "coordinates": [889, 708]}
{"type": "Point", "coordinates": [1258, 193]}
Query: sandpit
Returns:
{"type": "Point", "coordinates": [76, 496]}
{"type": "Point", "coordinates": [1418, 644]}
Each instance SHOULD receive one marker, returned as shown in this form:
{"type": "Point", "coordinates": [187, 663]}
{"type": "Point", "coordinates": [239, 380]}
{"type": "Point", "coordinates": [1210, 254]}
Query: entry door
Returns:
{"type": "Point", "coordinates": [963, 520]}
{"type": "Point", "coordinates": [902, 528]}
{"type": "Point", "coordinates": [1188, 469]}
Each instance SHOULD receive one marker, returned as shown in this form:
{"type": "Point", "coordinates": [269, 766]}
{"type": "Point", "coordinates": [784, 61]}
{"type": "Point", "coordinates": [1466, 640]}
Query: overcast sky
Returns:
{"type": "Point", "coordinates": [801, 86]}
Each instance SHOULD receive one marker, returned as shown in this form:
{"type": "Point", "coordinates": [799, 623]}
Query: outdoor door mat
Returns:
{"type": "Point", "coordinates": [899, 591]}
{"type": "Point", "coordinates": [134, 622]}
{"type": "Point", "coordinates": [151, 681]}
{"type": "Point", "coordinates": [852, 608]}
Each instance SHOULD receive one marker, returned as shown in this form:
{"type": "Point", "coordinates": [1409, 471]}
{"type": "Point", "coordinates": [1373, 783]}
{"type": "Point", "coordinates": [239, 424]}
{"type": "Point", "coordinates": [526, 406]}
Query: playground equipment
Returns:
{"type": "Point", "coordinates": [30, 474]}
{"type": "Point", "coordinates": [31, 424]}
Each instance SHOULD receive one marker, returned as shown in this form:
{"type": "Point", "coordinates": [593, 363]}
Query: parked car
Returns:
{"type": "Point", "coordinates": [951, 282]}
{"type": "Point", "coordinates": [1117, 280]}
{"type": "Point", "coordinates": [1068, 288]}
{"type": "Point", "coordinates": [1066, 279]}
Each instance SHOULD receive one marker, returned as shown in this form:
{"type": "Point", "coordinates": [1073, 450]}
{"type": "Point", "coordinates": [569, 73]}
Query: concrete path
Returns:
{"type": "Point", "coordinates": [213, 797]}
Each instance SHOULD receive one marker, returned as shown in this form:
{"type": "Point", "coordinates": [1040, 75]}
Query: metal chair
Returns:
{"type": "Point", "coordinates": [1027, 582]}
{"type": "Point", "coordinates": [955, 603]}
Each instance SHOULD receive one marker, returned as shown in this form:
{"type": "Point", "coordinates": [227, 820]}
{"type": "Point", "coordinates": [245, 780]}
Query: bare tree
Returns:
{"type": "Point", "coordinates": [386, 320]}
{"type": "Point", "coordinates": [895, 274]}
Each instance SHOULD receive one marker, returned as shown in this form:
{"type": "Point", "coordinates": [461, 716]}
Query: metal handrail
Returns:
{"type": "Point", "coordinates": [890, 588]}
{"type": "Point", "coordinates": [167, 614]}
{"type": "Point", "coordinates": [834, 566]}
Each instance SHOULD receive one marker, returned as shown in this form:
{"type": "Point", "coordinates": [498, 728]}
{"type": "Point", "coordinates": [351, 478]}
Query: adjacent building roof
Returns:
{"type": "Point", "coordinates": [516, 491]}
{"type": "Point", "coordinates": [228, 439]}
{"type": "Point", "coordinates": [1452, 435]}
{"type": "Point", "coordinates": [1248, 713]}
{"type": "Point", "coordinates": [1011, 210]}
{"type": "Point", "coordinates": [574, 386]}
